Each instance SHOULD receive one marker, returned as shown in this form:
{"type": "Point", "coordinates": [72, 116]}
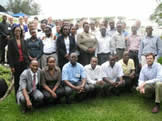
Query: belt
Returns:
{"type": "Point", "coordinates": [49, 53]}
{"type": "Point", "coordinates": [133, 51]}
{"type": "Point", "coordinates": [120, 48]}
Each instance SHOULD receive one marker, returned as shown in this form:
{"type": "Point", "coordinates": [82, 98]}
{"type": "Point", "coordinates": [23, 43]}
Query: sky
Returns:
{"type": "Point", "coordinates": [140, 9]}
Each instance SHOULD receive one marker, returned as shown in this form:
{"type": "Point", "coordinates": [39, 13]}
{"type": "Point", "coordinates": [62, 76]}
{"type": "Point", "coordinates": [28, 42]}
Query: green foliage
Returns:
{"type": "Point", "coordinates": [157, 15]}
{"type": "Point", "coordinates": [160, 60]}
{"type": "Point", "coordinates": [127, 107]}
{"type": "Point", "coordinates": [5, 73]}
{"type": "Point", "coordinates": [28, 7]}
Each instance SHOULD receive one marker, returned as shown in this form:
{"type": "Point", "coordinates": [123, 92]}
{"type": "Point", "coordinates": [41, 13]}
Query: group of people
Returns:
{"type": "Point", "coordinates": [57, 60]}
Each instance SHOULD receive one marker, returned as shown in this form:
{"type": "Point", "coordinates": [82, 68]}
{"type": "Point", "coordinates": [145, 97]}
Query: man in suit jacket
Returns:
{"type": "Point", "coordinates": [29, 87]}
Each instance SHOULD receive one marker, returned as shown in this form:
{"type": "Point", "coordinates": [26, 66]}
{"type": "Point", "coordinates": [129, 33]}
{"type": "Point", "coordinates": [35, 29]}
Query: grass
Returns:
{"type": "Point", "coordinates": [127, 107]}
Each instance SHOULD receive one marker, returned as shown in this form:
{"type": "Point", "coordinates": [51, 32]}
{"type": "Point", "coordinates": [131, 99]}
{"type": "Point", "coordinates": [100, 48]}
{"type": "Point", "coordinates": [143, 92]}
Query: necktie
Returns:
{"type": "Point", "coordinates": [34, 82]}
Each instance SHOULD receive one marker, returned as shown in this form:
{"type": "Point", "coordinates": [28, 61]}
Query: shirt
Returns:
{"type": "Point", "coordinates": [112, 73]}
{"type": "Point", "coordinates": [111, 32]}
{"type": "Point", "coordinates": [133, 42]}
{"type": "Point", "coordinates": [148, 45]}
{"type": "Point", "coordinates": [67, 44]}
{"type": "Point", "coordinates": [103, 44]}
{"type": "Point", "coordinates": [49, 45]}
{"type": "Point", "coordinates": [73, 73]}
{"type": "Point", "coordinates": [127, 68]}
{"type": "Point", "coordinates": [150, 74]}
{"type": "Point", "coordinates": [36, 78]}
{"type": "Point", "coordinates": [118, 41]}
{"type": "Point", "coordinates": [93, 75]}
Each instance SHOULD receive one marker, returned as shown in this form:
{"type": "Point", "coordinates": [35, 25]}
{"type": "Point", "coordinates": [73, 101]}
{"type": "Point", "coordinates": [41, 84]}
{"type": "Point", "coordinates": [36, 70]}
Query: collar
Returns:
{"type": "Point", "coordinates": [33, 73]}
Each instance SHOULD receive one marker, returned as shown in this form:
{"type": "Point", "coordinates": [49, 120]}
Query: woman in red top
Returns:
{"type": "Point", "coordinates": [17, 54]}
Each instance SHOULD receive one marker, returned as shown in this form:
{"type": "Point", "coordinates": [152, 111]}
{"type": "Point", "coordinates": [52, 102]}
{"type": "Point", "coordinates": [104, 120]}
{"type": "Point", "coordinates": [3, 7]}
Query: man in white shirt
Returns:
{"type": "Point", "coordinates": [112, 75]}
{"type": "Point", "coordinates": [94, 76]}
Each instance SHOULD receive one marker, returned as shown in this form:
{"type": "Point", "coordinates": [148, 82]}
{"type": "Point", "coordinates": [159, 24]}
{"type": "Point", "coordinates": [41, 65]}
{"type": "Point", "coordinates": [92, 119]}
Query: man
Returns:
{"type": "Point", "coordinates": [94, 75]}
{"type": "Point", "coordinates": [148, 45]}
{"type": "Point", "coordinates": [74, 78]}
{"type": "Point", "coordinates": [4, 37]}
{"type": "Point", "coordinates": [128, 70]}
{"type": "Point", "coordinates": [112, 75]}
{"type": "Point", "coordinates": [133, 44]}
{"type": "Point", "coordinates": [29, 93]}
{"type": "Point", "coordinates": [150, 81]}
{"type": "Point", "coordinates": [103, 46]}
{"type": "Point", "coordinates": [112, 28]}
{"type": "Point", "coordinates": [118, 42]}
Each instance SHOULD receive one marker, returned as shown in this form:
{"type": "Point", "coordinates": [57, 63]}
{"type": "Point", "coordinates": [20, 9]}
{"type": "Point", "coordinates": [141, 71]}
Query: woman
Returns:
{"type": "Point", "coordinates": [34, 46]}
{"type": "Point", "coordinates": [65, 46]}
{"type": "Point", "coordinates": [51, 80]}
{"type": "Point", "coordinates": [17, 54]}
{"type": "Point", "coordinates": [87, 43]}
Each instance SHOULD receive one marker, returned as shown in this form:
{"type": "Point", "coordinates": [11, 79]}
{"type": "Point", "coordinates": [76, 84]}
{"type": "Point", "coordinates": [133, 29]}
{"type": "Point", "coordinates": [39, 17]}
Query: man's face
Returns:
{"type": "Point", "coordinates": [149, 60]}
{"type": "Point", "coordinates": [92, 26]}
{"type": "Point", "coordinates": [86, 28]}
{"type": "Point", "coordinates": [66, 30]}
{"type": "Point", "coordinates": [119, 28]}
{"type": "Point", "coordinates": [47, 31]}
{"type": "Point", "coordinates": [33, 33]}
{"type": "Point", "coordinates": [112, 60]}
{"type": "Point", "coordinates": [103, 31]}
{"type": "Point", "coordinates": [34, 66]}
{"type": "Point", "coordinates": [73, 59]}
{"type": "Point", "coordinates": [126, 56]}
{"type": "Point", "coordinates": [112, 24]}
{"type": "Point", "coordinates": [94, 62]}
{"type": "Point", "coordinates": [149, 30]}
{"type": "Point", "coordinates": [134, 29]}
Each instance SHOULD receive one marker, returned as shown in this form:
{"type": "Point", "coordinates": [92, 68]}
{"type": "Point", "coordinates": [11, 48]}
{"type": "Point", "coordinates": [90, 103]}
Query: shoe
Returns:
{"type": "Point", "coordinates": [156, 109]}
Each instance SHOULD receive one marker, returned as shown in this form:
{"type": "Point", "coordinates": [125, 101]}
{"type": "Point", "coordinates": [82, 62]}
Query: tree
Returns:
{"type": "Point", "coordinates": [29, 7]}
{"type": "Point", "coordinates": [157, 15]}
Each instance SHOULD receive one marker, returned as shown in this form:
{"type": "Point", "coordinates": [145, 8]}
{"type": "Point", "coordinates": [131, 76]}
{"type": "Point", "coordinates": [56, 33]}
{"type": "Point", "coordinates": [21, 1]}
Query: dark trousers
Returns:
{"type": "Point", "coordinates": [3, 43]}
{"type": "Point", "coordinates": [134, 55]}
{"type": "Point", "coordinates": [84, 57]}
{"type": "Point", "coordinates": [103, 57]}
{"type": "Point", "coordinates": [19, 68]}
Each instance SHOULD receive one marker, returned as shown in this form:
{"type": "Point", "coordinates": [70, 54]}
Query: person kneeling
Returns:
{"type": "Point", "coordinates": [29, 93]}
{"type": "Point", "coordinates": [74, 78]}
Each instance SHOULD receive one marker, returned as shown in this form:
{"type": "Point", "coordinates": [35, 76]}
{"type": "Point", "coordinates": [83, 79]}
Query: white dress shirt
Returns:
{"type": "Point", "coordinates": [93, 75]}
{"type": "Point", "coordinates": [67, 44]}
{"type": "Point", "coordinates": [49, 45]}
{"type": "Point", "coordinates": [112, 73]}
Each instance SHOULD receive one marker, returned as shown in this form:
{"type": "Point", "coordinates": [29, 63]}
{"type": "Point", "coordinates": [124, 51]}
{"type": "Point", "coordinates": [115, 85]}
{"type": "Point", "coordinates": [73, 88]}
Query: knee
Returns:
{"type": "Point", "coordinates": [39, 97]}
{"type": "Point", "coordinates": [68, 90]}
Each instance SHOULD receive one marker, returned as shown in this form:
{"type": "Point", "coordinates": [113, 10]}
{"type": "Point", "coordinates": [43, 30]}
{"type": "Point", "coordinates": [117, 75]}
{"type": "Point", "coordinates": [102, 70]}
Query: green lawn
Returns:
{"type": "Point", "coordinates": [127, 107]}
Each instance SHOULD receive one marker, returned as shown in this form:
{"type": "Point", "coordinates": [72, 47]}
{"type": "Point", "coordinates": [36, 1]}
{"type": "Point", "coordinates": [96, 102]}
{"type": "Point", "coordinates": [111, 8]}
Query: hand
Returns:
{"type": "Point", "coordinates": [142, 91]}
{"type": "Point", "coordinates": [100, 83]}
{"type": "Point", "coordinates": [67, 56]}
{"type": "Point", "coordinates": [54, 95]}
{"type": "Point", "coordinates": [29, 104]}
{"type": "Point", "coordinates": [91, 50]}
{"type": "Point", "coordinates": [12, 70]}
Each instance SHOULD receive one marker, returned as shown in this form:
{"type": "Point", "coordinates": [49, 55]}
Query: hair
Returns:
{"type": "Point", "coordinates": [94, 57]}
{"type": "Point", "coordinates": [49, 58]}
{"type": "Point", "coordinates": [13, 33]}
{"type": "Point", "coordinates": [150, 54]}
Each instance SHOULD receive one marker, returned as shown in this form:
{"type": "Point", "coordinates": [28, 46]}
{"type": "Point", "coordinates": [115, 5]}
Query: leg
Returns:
{"type": "Point", "coordinates": [37, 97]}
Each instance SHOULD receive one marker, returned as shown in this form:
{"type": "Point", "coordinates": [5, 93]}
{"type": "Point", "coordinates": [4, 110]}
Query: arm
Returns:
{"type": "Point", "coordinates": [41, 49]}
{"type": "Point", "coordinates": [58, 82]}
{"type": "Point", "coordinates": [140, 51]}
{"type": "Point", "coordinates": [60, 49]}
{"type": "Point", "coordinates": [26, 96]}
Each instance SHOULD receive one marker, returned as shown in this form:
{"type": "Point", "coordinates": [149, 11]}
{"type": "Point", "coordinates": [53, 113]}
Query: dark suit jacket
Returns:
{"type": "Point", "coordinates": [61, 49]}
{"type": "Point", "coordinates": [13, 52]}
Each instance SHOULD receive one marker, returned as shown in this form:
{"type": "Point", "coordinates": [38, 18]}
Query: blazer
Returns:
{"type": "Point", "coordinates": [61, 48]}
{"type": "Point", "coordinates": [13, 52]}
{"type": "Point", "coordinates": [27, 82]}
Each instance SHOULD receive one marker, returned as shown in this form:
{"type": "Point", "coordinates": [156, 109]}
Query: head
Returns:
{"type": "Point", "coordinates": [86, 27]}
{"type": "Point", "coordinates": [65, 30]}
{"type": "Point", "coordinates": [33, 33]}
{"type": "Point", "coordinates": [35, 22]}
{"type": "Point", "coordinates": [21, 20]}
{"type": "Point", "coordinates": [125, 56]}
{"type": "Point", "coordinates": [4, 18]}
{"type": "Point", "coordinates": [150, 58]}
{"type": "Point", "coordinates": [119, 27]}
{"type": "Point", "coordinates": [11, 20]}
{"type": "Point", "coordinates": [112, 24]}
{"type": "Point", "coordinates": [149, 30]}
{"type": "Point", "coordinates": [103, 31]}
{"type": "Point", "coordinates": [112, 60]}
{"type": "Point", "coordinates": [124, 25]}
{"type": "Point", "coordinates": [17, 32]}
{"type": "Point", "coordinates": [58, 29]}
{"type": "Point", "coordinates": [105, 23]}
{"type": "Point", "coordinates": [92, 25]}
{"type": "Point", "coordinates": [48, 31]}
{"type": "Point", "coordinates": [94, 62]}
{"type": "Point", "coordinates": [49, 20]}
{"type": "Point", "coordinates": [138, 24]}
{"type": "Point", "coordinates": [26, 19]}
{"type": "Point", "coordinates": [134, 29]}
{"type": "Point", "coordinates": [73, 30]}
{"type": "Point", "coordinates": [31, 25]}
{"type": "Point", "coordinates": [51, 62]}
{"type": "Point", "coordinates": [34, 66]}
{"type": "Point", "coordinates": [73, 58]}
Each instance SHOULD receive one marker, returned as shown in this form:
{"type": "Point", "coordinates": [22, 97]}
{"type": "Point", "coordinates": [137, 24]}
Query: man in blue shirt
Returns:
{"type": "Point", "coordinates": [150, 81]}
{"type": "Point", "coordinates": [74, 77]}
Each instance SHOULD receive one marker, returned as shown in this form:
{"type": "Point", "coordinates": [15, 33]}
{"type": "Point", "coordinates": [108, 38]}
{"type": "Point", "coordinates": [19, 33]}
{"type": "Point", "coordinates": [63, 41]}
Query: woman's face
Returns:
{"type": "Point", "coordinates": [51, 62]}
{"type": "Point", "coordinates": [66, 30]}
{"type": "Point", "coordinates": [17, 31]}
